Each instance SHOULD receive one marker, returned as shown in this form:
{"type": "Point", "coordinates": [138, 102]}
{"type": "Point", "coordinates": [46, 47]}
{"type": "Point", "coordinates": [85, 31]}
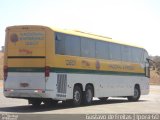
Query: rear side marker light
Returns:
{"type": "Point", "coordinates": [47, 71]}
{"type": "Point", "coordinates": [39, 91]}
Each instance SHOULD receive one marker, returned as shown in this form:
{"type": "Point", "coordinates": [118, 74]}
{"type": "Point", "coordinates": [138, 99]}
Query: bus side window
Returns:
{"type": "Point", "coordinates": [59, 44]}
{"type": "Point", "coordinates": [67, 44]}
{"type": "Point", "coordinates": [126, 53]}
{"type": "Point", "coordinates": [88, 47]}
{"type": "Point", "coordinates": [72, 45]}
{"type": "Point", "coordinates": [102, 50]}
{"type": "Point", "coordinates": [137, 55]}
{"type": "Point", "coordinates": [115, 51]}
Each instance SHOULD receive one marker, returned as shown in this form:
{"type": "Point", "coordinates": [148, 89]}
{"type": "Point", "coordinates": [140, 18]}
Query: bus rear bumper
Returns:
{"type": "Point", "coordinates": [28, 93]}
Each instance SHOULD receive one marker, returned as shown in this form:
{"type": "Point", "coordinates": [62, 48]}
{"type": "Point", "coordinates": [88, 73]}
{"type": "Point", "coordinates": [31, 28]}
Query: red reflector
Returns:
{"type": "Point", "coordinates": [47, 71]}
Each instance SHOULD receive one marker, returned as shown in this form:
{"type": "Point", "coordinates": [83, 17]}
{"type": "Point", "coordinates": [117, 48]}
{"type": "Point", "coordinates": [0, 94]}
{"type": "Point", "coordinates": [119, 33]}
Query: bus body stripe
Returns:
{"type": "Point", "coordinates": [26, 57]}
{"type": "Point", "coordinates": [69, 70]}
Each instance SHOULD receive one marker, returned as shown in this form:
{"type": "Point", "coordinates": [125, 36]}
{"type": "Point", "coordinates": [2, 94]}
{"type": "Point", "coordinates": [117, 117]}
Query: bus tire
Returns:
{"type": "Point", "coordinates": [88, 95]}
{"type": "Point", "coordinates": [35, 102]}
{"type": "Point", "coordinates": [136, 95]}
{"type": "Point", "coordinates": [77, 96]}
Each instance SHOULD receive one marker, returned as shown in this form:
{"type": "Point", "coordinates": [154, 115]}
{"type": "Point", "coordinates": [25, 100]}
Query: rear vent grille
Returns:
{"type": "Point", "coordinates": [62, 83]}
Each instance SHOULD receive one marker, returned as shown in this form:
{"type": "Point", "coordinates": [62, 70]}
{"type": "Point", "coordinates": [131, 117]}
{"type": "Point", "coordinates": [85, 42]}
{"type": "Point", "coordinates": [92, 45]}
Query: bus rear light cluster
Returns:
{"type": "Point", "coordinates": [47, 71]}
{"type": "Point", "coordinates": [5, 72]}
{"type": "Point", "coordinates": [9, 90]}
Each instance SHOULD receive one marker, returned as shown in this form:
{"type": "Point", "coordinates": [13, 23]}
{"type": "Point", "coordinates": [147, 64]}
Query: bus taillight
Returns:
{"type": "Point", "coordinates": [47, 71]}
{"type": "Point", "coordinates": [5, 72]}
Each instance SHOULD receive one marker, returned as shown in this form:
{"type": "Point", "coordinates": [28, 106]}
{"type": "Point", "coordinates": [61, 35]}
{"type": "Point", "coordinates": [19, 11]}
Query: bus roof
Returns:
{"type": "Point", "coordinates": [90, 35]}
{"type": "Point", "coordinates": [76, 33]}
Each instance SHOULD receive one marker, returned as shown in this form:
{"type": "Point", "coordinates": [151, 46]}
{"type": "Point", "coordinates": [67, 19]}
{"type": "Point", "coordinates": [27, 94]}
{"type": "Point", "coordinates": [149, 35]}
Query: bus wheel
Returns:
{"type": "Point", "coordinates": [104, 99]}
{"type": "Point", "coordinates": [35, 102]}
{"type": "Point", "coordinates": [77, 96]}
{"type": "Point", "coordinates": [50, 102]}
{"type": "Point", "coordinates": [136, 95]}
{"type": "Point", "coordinates": [88, 95]}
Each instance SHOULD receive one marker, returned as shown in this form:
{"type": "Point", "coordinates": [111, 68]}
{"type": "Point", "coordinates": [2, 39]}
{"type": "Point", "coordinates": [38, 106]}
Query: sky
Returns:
{"type": "Point", "coordinates": [135, 22]}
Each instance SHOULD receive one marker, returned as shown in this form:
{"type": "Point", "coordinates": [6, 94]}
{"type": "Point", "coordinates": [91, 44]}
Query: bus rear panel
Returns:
{"type": "Point", "coordinates": [25, 61]}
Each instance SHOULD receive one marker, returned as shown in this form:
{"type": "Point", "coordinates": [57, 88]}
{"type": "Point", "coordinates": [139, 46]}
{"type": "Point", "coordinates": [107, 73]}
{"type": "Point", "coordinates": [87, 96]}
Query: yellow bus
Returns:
{"type": "Point", "coordinates": [44, 64]}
